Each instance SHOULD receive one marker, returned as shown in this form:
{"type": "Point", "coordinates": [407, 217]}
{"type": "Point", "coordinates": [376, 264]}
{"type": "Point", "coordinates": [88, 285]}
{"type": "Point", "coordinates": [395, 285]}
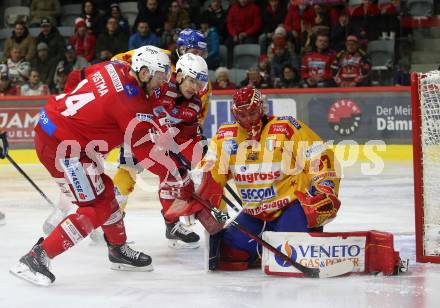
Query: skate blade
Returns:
{"type": "Point", "coordinates": [131, 268]}
{"type": "Point", "coordinates": [178, 244]}
{"type": "Point", "coordinates": [22, 271]}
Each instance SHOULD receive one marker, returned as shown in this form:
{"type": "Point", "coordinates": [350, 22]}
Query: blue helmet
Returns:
{"type": "Point", "coordinates": [190, 38]}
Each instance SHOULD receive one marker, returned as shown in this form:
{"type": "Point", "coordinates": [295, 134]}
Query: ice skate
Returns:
{"type": "Point", "coordinates": [124, 258]}
{"type": "Point", "coordinates": [34, 267]}
{"type": "Point", "coordinates": [2, 219]}
{"type": "Point", "coordinates": [181, 237]}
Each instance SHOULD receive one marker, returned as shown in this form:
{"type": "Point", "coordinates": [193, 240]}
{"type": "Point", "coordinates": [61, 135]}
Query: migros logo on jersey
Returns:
{"type": "Point", "coordinates": [257, 194]}
{"type": "Point", "coordinates": [257, 173]}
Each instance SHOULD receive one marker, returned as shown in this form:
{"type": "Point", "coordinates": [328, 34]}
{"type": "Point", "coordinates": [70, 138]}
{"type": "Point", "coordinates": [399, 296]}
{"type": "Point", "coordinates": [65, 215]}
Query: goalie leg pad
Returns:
{"type": "Point", "coordinates": [124, 181]}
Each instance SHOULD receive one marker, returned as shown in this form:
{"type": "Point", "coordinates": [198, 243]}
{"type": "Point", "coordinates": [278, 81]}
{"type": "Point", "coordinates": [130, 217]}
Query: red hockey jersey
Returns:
{"type": "Point", "coordinates": [105, 107]}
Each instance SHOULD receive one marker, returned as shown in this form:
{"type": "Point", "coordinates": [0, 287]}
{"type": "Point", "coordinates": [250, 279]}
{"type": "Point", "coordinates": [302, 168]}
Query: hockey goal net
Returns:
{"type": "Point", "coordinates": [425, 97]}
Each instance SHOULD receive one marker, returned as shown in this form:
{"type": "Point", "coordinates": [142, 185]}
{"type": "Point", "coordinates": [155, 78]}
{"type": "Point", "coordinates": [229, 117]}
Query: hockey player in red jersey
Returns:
{"type": "Point", "coordinates": [106, 109]}
{"type": "Point", "coordinates": [177, 105]}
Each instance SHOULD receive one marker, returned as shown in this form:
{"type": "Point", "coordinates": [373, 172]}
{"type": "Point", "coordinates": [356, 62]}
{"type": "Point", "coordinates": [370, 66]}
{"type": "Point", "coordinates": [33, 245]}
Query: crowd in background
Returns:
{"type": "Point", "coordinates": [303, 43]}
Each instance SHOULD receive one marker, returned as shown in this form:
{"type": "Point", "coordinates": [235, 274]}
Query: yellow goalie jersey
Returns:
{"type": "Point", "coordinates": [289, 157]}
{"type": "Point", "coordinates": [204, 95]}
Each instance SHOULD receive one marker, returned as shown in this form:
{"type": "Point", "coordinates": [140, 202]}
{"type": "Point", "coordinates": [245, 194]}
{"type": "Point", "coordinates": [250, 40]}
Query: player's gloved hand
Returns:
{"type": "Point", "coordinates": [4, 146]}
{"type": "Point", "coordinates": [320, 205]}
{"type": "Point", "coordinates": [177, 185]}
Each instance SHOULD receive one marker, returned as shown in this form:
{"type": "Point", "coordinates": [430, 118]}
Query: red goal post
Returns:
{"type": "Point", "coordinates": [425, 100]}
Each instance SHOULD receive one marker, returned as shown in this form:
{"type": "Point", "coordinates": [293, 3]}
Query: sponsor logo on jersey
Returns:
{"type": "Point", "coordinates": [144, 117]}
{"type": "Point", "coordinates": [100, 84]}
{"type": "Point", "coordinates": [258, 177]}
{"type": "Point", "coordinates": [344, 116]}
{"type": "Point", "coordinates": [230, 146]}
{"type": "Point", "coordinates": [291, 120]}
{"type": "Point", "coordinates": [264, 173]}
{"type": "Point", "coordinates": [194, 106]}
{"type": "Point", "coordinates": [281, 128]}
{"type": "Point", "coordinates": [257, 194]}
{"type": "Point", "coordinates": [114, 77]}
{"type": "Point", "coordinates": [315, 149]}
{"type": "Point", "coordinates": [227, 132]}
{"type": "Point", "coordinates": [157, 92]}
{"type": "Point", "coordinates": [78, 179]}
{"type": "Point", "coordinates": [131, 90]}
{"type": "Point", "coordinates": [171, 94]}
{"type": "Point", "coordinates": [269, 206]}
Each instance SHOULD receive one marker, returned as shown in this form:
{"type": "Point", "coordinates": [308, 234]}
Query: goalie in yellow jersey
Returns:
{"type": "Point", "coordinates": [193, 42]}
{"type": "Point", "coordinates": [286, 177]}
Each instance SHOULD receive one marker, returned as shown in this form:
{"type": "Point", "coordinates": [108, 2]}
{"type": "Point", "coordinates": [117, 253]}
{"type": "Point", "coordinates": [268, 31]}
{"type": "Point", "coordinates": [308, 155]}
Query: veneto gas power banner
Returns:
{"type": "Point", "coordinates": [359, 114]}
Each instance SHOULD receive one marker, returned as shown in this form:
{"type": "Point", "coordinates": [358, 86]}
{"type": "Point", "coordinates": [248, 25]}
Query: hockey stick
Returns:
{"type": "Point", "coordinates": [337, 269]}
{"type": "Point", "coordinates": [12, 161]}
{"type": "Point", "coordinates": [187, 165]}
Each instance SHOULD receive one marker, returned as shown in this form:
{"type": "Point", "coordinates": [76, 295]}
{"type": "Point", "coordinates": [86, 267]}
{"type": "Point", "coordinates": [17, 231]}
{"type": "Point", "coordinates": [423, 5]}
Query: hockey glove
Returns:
{"type": "Point", "coordinates": [320, 205]}
{"type": "Point", "coordinates": [177, 186]}
{"type": "Point", "coordinates": [4, 146]}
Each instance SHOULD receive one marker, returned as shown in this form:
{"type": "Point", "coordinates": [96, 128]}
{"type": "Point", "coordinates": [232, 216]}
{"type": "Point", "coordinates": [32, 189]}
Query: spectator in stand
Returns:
{"type": "Point", "coordinates": [217, 17]}
{"type": "Point", "coordinates": [71, 60]}
{"type": "Point", "coordinates": [34, 86]}
{"type": "Point", "coordinates": [18, 67]}
{"type": "Point", "coordinates": [60, 79]}
{"type": "Point", "coordinates": [402, 77]}
{"type": "Point", "coordinates": [91, 15]}
{"type": "Point", "coordinates": [352, 66]}
{"type": "Point", "coordinates": [289, 78]}
{"type": "Point", "coordinates": [366, 18]}
{"type": "Point", "coordinates": [212, 41]}
{"type": "Point", "coordinates": [292, 22]}
{"type": "Point", "coordinates": [340, 31]}
{"type": "Point", "coordinates": [110, 42]}
{"type": "Point", "coordinates": [83, 41]}
{"type": "Point", "coordinates": [281, 57]}
{"type": "Point", "coordinates": [222, 81]}
{"type": "Point", "coordinates": [50, 9]}
{"type": "Point", "coordinates": [316, 71]}
{"type": "Point", "coordinates": [167, 37]}
{"type": "Point", "coordinates": [115, 12]}
{"type": "Point", "coordinates": [280, 36]}
{"type": "Point", "coordinates": [52, 37]}
{"type": "Point", "coordinates": [244, 25]}
{"type": "Point", "coordinates": [265, 69]}
{"type": "Point", "coordinates": [22, 40]}
{"type": "Point", "coordinates": [317, 16]}
{"type": "Point", "coordinates": [151, 12]}
{"type": "Point", "coordinates": [273, 16]}
{"type": "Point", "coordinates": [43, 64]}
{"type": "Point", "coordinates": [178, 16]}
{"type": "Point", "coordinates": [390, 19]}
{"type": "Point", "coordinates": [143, 36]}
{"type": "Point", "coordinates": [255, 79]}
{"type": "Point", "coordinates": [6, 88]}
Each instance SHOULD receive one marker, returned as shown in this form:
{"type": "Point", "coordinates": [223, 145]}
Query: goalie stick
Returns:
{"type": "Point", "coordinates": [334, 270]}
{"type": "Point", "coordinates": [4, 154]}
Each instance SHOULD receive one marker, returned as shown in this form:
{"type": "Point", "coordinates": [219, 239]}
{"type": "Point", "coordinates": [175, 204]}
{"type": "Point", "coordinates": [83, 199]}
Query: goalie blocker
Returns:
{"type": "Point", "coordinates": [371, 252]}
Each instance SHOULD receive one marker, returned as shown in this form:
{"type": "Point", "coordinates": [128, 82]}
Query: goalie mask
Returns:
{"type": "Point", "coordinates": [247, 108]}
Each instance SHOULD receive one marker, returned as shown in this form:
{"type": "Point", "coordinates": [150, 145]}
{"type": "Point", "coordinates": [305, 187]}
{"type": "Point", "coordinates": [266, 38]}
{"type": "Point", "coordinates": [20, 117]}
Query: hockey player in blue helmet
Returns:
{"type": "Point", "coordinates": [191, 41]}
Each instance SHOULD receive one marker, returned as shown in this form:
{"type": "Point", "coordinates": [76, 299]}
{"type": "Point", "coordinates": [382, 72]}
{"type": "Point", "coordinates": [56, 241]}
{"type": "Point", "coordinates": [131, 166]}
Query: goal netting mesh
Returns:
{"type": "Point", "coordinates": [429, 94]}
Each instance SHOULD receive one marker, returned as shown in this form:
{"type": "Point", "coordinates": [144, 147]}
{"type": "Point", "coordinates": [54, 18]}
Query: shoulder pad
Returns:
{"type": "Point", "coordinates": [291, 119]}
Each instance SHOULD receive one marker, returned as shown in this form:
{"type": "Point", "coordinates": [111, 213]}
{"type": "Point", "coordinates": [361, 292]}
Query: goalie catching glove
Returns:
{"type": "Point", "coordinates": [320, 205]}
{"type": "Point", "coordinates": [177, 185]}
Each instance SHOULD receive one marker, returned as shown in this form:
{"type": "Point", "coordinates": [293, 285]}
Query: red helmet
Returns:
{"type": "Point", "coordinates": [244, 101]}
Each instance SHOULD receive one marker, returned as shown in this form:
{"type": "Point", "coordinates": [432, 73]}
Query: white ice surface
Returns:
{"type": "Point", "coordinates": [383, 202]}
